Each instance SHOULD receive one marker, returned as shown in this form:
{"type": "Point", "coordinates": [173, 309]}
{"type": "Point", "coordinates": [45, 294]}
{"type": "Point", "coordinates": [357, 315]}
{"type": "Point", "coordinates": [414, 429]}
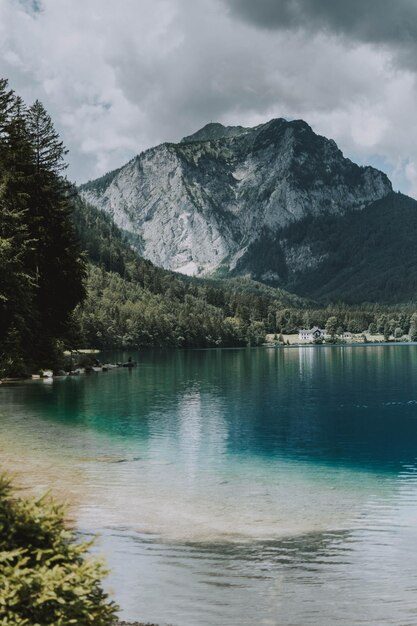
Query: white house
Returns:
{"type": "Point", "coordinates": [311, 335]}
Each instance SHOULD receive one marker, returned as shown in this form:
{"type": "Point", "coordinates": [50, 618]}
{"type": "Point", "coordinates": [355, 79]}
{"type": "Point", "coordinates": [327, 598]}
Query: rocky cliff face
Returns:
{"type": "Point", "coordinates": [207, 203]}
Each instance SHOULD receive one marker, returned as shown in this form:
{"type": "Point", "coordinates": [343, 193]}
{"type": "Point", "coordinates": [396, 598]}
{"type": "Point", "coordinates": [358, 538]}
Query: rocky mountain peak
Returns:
{"type": "Point", "coordinates": [198, 206]}
{"type": "Point", "coordinates": [215, 130]}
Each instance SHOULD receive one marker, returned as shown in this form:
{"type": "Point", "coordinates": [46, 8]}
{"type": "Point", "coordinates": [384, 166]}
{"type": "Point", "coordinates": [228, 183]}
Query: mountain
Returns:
{"type": "Point", "coordinates": [198, 206]}
{"type": "Point", "coordinates": [276, 203]}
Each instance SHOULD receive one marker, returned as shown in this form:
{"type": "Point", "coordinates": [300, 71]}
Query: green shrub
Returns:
{"type": "Point", "coordinates": [46, 575]}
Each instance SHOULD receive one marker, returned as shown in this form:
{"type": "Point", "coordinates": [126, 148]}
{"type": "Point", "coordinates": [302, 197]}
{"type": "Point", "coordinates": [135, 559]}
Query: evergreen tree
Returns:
{"type": "Point", "coordinates": [413, 327]}
{"type": "Point", "coordinates": [41, 269]}
{"type": "Point", "coordinates": [59, 267]}
{"type": "Point", "coordinates": [16, 243]}
{"type": "Point", "coordinates": [7, 103]}
{"type": "Point", "coordinates": [49, 150]}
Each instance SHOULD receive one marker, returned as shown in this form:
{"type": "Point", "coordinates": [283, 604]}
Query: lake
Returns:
{"type": "Point", "coordinates": [237, 487]}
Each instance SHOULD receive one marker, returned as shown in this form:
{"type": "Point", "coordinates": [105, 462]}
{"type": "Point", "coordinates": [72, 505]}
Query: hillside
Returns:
{"type": "Point", "coordinates": [132, 303]}
{"type": "Point", "coordinates": [362, 256]}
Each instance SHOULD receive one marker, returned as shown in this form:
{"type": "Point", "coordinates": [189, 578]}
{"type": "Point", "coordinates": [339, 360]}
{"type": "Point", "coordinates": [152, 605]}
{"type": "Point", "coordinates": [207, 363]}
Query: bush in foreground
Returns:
{"type": "Point", "coordinates": [46, 576]}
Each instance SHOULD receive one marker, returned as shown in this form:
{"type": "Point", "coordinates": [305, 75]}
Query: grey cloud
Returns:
{"type": "Point", "coordinates": [119, 82]}
{"type": "Point", "coordinates": [368, 21]}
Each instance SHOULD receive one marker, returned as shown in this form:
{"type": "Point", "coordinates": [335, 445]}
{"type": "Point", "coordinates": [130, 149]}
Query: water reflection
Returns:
{"type": "Point", "coordinates": [338, 405]}
{"type": "Point", "coordinates": [240, 486]}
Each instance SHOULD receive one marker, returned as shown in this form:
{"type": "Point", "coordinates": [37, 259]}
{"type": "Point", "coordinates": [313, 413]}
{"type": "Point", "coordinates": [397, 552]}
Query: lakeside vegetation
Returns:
{"type": "Point", "coordinates": [46, 574]}
{"type": "Point", "coordinates": [41, 268]}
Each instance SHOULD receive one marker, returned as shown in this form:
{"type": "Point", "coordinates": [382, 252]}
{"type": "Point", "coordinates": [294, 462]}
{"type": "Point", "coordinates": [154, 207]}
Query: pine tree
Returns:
{"type": "Point", "coordinates": [41, 269]}
{"type": "Point", "coordinates": [413, 327]}
{"type": "Point", "coordinates": [16, 245]}
{"type": "Point", "coordinates": [59, 267]}
{"type": "Point", "coordinates": [48, 148]}
{"type": "Point", "coordinates": [7, 103]}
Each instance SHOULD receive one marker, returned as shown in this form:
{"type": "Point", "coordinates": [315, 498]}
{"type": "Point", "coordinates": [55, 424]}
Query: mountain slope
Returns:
{"type": "Point", "coordinates": [362, 256]}
{"type": "Point", "coordinates": [132, 303]}
{"type": "Point", "coordinates": [109, 248]}
{"type": "Point", "coordinates": [199, 206]}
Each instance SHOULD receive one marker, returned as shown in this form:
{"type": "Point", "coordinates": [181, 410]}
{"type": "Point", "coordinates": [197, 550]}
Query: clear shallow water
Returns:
{"type": "Point", "coordinates": [238, 486]}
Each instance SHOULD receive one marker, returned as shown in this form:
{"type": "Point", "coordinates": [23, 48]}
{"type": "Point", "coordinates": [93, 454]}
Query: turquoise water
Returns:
{"type": "Point", "coordinates": [237, 486]}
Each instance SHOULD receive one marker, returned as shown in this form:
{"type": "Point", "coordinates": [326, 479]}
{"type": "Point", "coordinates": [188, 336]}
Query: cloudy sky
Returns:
{"type": "Point", "coordinates": [119, 76]}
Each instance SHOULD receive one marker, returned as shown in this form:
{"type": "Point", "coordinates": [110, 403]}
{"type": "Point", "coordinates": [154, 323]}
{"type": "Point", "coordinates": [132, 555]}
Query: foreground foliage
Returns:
{"type": "Point", "coordinates": [46, 577]}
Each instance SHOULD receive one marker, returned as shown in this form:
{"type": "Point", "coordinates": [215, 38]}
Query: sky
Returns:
{"type": "Point", "coordinates": [120, 76]}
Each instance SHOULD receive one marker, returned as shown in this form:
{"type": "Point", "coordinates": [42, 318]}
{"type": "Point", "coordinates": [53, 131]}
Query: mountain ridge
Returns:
{"type": "Point", "coordinates": [199, 204]}
{"type": "Point", "coordinates": [214, 130]}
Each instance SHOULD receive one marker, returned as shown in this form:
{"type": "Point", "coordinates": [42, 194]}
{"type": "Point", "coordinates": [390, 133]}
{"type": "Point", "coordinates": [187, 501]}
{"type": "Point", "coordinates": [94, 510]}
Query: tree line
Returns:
{"type": "Point", "coordinates": [41, 269]}
{"type": "Point", "coordinates": [387, 320]}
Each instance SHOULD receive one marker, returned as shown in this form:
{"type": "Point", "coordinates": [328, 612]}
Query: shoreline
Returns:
{"type": "Point", "coordinates": [352, 344]}
{"type": "Point", "coordinates": [268, 345]}
{"type": "Point", "coordinates": [122, 623]}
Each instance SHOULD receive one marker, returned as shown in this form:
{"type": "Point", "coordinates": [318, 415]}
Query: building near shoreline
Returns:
{"type": "Point", "coordinates": [313, 334]}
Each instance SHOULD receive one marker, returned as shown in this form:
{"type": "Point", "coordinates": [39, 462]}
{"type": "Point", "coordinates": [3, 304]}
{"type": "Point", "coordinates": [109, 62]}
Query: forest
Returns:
{"type": "Point", "coordinates": [42, 272]}
{"type": "Point", "coordinates": [367, 255]}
